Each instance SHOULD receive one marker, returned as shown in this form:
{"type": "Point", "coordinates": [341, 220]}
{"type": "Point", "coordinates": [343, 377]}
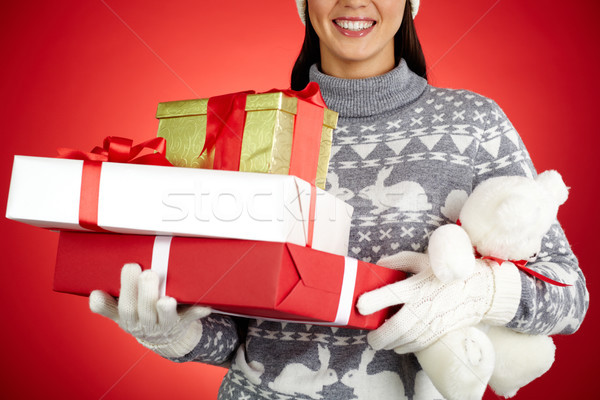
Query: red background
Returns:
{"type": "Point", "coordinates": [76, 71]}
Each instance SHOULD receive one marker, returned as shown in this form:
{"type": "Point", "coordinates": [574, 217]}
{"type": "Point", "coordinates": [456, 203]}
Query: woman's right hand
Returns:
{"type": "Point", "coordinates": [153, 321]}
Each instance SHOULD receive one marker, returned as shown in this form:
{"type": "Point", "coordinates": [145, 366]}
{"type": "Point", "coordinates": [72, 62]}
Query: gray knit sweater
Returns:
{"type": "Point", "coordinates": [395, 134]}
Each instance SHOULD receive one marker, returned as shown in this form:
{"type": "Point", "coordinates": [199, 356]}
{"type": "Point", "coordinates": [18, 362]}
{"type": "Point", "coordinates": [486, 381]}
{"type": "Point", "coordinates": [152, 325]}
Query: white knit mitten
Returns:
{"type": "Point", "coordinates": [407, 261]}
{"type": "Point", "coordinates": [432, 308]}
{"type": "Point", "coordinates": [154, 322]}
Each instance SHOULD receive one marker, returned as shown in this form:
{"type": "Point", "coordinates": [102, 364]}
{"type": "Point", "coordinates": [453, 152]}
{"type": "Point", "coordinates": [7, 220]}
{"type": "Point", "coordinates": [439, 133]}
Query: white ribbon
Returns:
{"type": "Point", "coordinates": [160, 264]}
{"type": "Point", "coordinates": [160, 261]}
{"type": "Point", "coordinates": [347, 293]}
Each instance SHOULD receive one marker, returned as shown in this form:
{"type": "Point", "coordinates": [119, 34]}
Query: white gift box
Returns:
{"type": "Point", "coordinates": [157, 200]}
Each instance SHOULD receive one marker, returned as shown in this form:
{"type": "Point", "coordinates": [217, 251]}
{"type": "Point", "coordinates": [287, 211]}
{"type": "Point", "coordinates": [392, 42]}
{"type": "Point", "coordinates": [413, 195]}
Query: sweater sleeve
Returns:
{"type": "Point", "coordinates": [543, 308]}
{"type": "Point", "coordinates": [221, 336]}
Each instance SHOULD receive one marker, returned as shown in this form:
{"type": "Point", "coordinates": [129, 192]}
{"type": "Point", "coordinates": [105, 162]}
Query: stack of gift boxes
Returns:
{"type": "Point", "coordinates": [227, 205]}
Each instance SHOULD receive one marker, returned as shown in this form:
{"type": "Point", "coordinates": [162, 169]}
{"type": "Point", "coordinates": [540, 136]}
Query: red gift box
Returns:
{"type": "Point", "coordinates": [251, 278]}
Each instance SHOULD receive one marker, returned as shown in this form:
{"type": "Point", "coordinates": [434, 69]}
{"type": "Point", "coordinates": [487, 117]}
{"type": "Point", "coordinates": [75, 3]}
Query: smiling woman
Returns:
{"type": "Point", "coordinates": [331, 34]}
{"type": "Point", "coordinates": [407, 155]}
{"type": "Point", "coordinates": [77, 70]}
{"type": "Point", "coordinates": [338, 26]}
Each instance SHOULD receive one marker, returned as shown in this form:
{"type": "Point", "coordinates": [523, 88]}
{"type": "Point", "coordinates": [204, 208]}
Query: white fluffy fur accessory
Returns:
{"type": "Point", "coordinates": [414, 7]}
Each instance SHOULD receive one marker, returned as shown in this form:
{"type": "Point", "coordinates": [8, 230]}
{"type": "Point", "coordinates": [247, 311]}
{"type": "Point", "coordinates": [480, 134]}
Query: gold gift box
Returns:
{"type": "Point", "coordinates": [267, 139]}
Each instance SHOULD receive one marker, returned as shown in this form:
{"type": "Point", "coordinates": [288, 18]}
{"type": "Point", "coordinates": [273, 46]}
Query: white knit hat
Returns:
{"type": "Point", "coordinates": [414, 7]}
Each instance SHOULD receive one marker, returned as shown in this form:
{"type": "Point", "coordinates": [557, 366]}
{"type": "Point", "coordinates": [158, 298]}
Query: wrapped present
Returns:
{"type": "Point", "coordinates": [280, 132]}
{"type": "Point", "coordinates": [153, 199]}
{"type": "Point", "coordinates": [250, 278]}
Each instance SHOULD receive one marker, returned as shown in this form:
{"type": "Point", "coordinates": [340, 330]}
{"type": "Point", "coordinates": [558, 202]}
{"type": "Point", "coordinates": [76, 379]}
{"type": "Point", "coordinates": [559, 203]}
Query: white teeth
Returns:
{"type": "Point", "coordinates": [354, 25]}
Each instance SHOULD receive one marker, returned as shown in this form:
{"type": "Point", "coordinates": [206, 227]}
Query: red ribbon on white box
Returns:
{"type": "Point", "coordinates": [115, 149]}
{"type": "Point", "coordinates": [160, 264]}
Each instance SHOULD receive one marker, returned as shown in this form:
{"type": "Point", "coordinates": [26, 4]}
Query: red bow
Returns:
{"type": "Point", "coordinates": [226, 116]}
{"type": "Point", "coordinates": [519, 264]}
{"type": "Point", "coordinates": [114, 149]}
{"type": "Point", "coordinates": [119, 149]}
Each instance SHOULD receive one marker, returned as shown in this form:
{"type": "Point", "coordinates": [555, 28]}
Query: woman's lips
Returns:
{"type": "Point", "coordinates": [354, 27]}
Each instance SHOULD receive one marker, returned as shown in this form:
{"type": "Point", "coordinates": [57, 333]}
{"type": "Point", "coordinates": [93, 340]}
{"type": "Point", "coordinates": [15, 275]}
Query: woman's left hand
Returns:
{"type": "Point", "coordinates": [430, 308]}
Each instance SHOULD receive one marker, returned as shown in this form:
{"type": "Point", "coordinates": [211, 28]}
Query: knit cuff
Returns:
{"type": "Point", "coordinates": [507, 294]}
{"type": "Point", "coordinates": [178, 347]}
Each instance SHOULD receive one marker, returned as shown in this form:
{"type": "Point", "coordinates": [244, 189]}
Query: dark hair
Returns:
{"type": "Point", "coordinates": [406, 46]}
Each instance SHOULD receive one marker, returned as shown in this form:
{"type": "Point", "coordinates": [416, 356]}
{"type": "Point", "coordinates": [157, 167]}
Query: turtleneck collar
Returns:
{"type": "Point", "coordinates": [369, 96]}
